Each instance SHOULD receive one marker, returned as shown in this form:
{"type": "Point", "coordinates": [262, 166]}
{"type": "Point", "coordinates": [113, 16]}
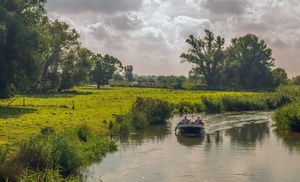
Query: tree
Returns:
{"type": "Point", "coordinates": [248, 63]}
{"type": "Point", "coordinates": [63, 49]}
{"type": "Point", "coordinates": [104, 69]}
{"type": "Point", "coordinates": [279, 77]}
{"type": "Point", "coordinates": [21, 47]}
{"type": "Point", "coordinates": [296, 80]}
{"type": "Point", "coordinates": [128, 72]}
{"type": "Point", "coordinates": [75, 68]}
{"type": "Point", "coordinates": [118, 77]}
{"type": "Point", "coordinates": [207, 56]}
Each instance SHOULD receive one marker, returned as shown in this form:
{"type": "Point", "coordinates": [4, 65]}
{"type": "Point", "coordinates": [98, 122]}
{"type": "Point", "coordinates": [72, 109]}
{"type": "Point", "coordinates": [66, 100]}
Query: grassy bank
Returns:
{"type": "Point", "coordinates": [52, 155]}
{"type": "Point", "coordinates": [24, 115]}
{"type": "Point", "coordinates": [288, 117]}
{"type": "Point", "coordinates": [52, 136]}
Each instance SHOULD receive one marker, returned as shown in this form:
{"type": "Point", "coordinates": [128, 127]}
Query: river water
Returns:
{"type": "Point", "coordinates": [237, 146]}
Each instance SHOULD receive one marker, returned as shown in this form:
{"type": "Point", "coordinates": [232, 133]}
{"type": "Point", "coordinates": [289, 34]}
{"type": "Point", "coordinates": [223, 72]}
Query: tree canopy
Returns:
{"type": "Point", "coordinates": [21, 42]}
{"type": "Point", "coordinates": [207, 56]}
{"type": "Point", "coordinates": [104, 69]}
{"type": "Point", "coordinates": [249, 62]}
{"type": "Point", "coordinates": [39, 55]}
{"type": "Point", "coordinates": [246, 63]}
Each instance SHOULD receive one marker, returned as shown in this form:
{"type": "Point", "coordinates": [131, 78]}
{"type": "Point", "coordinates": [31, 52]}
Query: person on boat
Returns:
{"type": "Point", "coordinates": [199, 120]}
{"type": "Point", "coordinates": [185, 120]}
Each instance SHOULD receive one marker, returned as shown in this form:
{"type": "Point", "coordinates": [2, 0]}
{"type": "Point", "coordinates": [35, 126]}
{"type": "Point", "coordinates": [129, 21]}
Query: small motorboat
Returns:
{"type": "Point", "coordinates": [188, 128]}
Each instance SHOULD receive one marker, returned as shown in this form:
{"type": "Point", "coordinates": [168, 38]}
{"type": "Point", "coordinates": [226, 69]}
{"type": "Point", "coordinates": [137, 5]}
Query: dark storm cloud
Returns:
{"type": "Point", "coordinates": [221, 7]}
{"type": "Point", "coordinates": [99, 6]}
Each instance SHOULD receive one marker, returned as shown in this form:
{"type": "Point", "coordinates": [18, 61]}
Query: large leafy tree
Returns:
{"type": "Point", "coordinates": [249, 63]}
{"type": "Point", "coordinates": [279, 77]}
{"type": "Point", "coordinates": [104, 69]}
{"type": "Point", "coordinates": [21, 44]}
{"type": "Point", "coordinates": [75, 68]}
{"type": "Point", "coordinates": [58, 64]}
{"type": "Point", "coordinates": [207, 56]}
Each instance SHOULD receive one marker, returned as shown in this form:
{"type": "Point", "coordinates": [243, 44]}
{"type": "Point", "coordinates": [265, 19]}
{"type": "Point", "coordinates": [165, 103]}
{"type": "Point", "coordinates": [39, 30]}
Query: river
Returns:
{"type": "Point", "coordinates": [237, 146]}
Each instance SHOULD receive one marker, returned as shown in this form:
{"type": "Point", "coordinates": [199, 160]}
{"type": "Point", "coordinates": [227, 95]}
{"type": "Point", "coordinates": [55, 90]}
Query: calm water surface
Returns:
{"type": "Point", "coordinates": [236, 147]}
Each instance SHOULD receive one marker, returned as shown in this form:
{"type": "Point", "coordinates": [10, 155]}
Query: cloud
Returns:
{"type": "Point", "coordinates": [151, 34]}
{"type": "Point", "coordinates": [96, 6]}
{"type": "Point", "coordinates": [124, 22]}
{"type": "Point", "coordinates": [225, 7]}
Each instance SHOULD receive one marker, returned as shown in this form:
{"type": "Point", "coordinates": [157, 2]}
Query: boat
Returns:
{"type": "Point", "coordinates": [188, 128]}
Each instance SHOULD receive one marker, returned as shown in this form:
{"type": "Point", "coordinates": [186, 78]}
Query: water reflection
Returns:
{"type": "Point", "coordinates": [236, 147]}
{"type": "Point", "coordinates": [290, 140]}
{"type": "Point", "coordinates": [190, 141]}
{"type": "Point", "coordinates": [154, 134]}
{"type": "Point", "coordinates": [249, 134]}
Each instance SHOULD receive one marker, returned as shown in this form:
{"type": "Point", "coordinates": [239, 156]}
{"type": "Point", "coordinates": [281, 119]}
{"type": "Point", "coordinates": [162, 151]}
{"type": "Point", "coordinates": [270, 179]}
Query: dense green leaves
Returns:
{"type": "Point", "coordinates": [246, 63]}
{"type": "Point", "coordinates": [20, 58]}
{"type": "Point", "coordinates": [128, 72]}
{"type": "Point", "coordinates": [207, 56]}
{"type": "Point", "coordinates": [249, 63]}
{"type": "Point", "coordinates": [104, 69]}
{"type": "Point", "coordinates": [39, 55]}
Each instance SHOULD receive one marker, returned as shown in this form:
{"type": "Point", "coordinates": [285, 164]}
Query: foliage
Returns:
{"type": "Point", "coordinates": [288, 117]}
{"type": "Point", "coordinates": [296, 80]}
{"type": "Point", "coordinates": [280, 77]}
{"type": "Point", "coordinates": [104, 69]}
{"type": "Point", "coordinates": [171, 79]}
{"type": "Point", "coordinates": [55, 156]}
{"type": "Point", "coordinates": [248, 63]}
{"type": "Point", "coordinates": [128, 72]}
{"type": "Point", "coordinates": [144, 112]}
{"type": "Point", "coordinates": [207, 56]}
{"type": "Point", "coordinates": [21, 44]}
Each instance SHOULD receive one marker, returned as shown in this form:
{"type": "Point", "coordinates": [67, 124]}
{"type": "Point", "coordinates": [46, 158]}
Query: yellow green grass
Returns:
{"type": "Point", "coordinates": [24, 115]}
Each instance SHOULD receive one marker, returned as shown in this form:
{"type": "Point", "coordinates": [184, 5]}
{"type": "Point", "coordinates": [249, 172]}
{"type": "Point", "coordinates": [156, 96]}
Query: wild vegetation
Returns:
{"type": "Point", "coordinates": [77, 117]}
{"type": "Point", "coordinates": [53, 155]}
{"type": "Point", "coordinates": [64, 129]}
{"type": "Point", "coordinates": [288, 116]}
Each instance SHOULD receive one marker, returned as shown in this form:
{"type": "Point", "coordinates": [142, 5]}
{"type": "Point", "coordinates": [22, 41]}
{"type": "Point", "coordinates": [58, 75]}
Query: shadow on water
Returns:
{"type": "Point", "coordinates": [249, 134]}
{"type": "Point", "coordinates": [156, 133]}
{"type": "Point", "coordinates": [290, 139]}
{"type": "Point", "coordinates": [190, 141]}
{"type": "Point", "coordinates": [14, 112]}
{"type": "Point", "coordinates": [239, 146]}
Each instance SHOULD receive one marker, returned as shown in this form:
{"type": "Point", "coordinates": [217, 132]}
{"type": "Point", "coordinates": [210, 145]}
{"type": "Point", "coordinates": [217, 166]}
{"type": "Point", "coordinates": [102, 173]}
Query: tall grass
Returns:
{"type": "Point", "coordinates": [53, 155]}
{"type": "Point", "coordinates": [144, 112]}
{"type": "Point", "coordinates": [288, 117]}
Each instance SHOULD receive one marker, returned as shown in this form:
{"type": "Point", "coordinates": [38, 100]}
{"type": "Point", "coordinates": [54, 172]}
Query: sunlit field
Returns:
{"type": "Point", "coordinates": [24, 115]}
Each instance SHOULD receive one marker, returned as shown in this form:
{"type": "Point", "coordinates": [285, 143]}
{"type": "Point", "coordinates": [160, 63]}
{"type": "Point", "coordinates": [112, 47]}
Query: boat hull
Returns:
{"type": "Point", "coordinates": [191, 129]}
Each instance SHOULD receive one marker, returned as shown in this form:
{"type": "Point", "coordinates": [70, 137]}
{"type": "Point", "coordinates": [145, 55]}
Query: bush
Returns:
{"type": "Point", "coordinates": [58, 156]}
{"type": "Point", "coordinates": [83, 133]}
{"type": "Point", "coordinates": [213, 104]}
{"type": "Point", "coordinates": [144, 112]}
{"type": "Point", "coordinates": [288, 117]}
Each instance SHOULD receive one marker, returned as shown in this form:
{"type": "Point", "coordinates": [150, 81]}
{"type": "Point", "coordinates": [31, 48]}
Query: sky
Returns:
{"type": "Point", "coordinates": [150, 34]}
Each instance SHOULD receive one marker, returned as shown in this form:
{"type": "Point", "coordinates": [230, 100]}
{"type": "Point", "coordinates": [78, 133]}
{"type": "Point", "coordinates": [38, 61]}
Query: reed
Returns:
{"type": "Point", "coordinates": [53, 155]}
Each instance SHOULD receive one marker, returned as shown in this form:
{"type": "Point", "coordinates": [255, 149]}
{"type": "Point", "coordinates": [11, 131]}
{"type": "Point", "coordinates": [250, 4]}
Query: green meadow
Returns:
{"type": "Point", "coordinates": [25, 115]}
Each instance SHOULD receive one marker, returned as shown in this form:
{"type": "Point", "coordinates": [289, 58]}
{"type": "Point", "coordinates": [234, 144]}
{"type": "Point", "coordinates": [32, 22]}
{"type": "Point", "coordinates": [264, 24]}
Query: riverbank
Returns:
{"type": "Point", "coordinates": [106, 111]}
{"type": "Point", "coordinates": [25, 115]}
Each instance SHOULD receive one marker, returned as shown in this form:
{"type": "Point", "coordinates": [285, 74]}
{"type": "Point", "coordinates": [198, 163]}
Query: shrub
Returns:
{"type": "Point", "coordinates": [144, 112]}
{"type": "Point", "coordinates": [213, 104]}
{"type": "Point", "coordinates": [83, 132]}
{"type": "Point", "coordinates": [288, 117]}
{"type": "Point", "coordinates": [53, 156]}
